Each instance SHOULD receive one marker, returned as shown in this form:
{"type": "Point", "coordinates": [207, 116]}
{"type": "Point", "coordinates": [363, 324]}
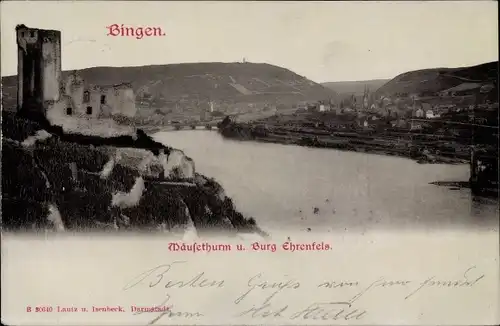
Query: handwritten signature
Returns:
{"type": "Point", "coordinates": [315, 311]}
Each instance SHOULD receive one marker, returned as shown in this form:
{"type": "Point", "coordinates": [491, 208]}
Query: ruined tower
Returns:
{"type": "Point", "coordinates": [38, 69]}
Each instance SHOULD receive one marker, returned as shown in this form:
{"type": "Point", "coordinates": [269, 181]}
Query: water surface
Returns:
{"type": "Point", "coordinates": [313, 189]}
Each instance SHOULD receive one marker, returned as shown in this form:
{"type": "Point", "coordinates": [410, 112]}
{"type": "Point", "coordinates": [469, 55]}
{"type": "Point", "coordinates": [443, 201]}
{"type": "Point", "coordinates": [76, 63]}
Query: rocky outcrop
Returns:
{"type": "Point", "coordinates": [55, 181]}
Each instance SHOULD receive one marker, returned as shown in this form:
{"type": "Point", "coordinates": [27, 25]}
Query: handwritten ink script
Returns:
{"type": "Point", "coordinates": [261, 296]}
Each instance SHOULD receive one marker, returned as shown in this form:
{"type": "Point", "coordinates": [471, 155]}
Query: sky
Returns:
{"type": "Point", "coordinates": [323, 41]}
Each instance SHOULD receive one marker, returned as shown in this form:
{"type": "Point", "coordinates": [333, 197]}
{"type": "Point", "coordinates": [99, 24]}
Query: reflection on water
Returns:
{"type": "Point", "coordinates": [310, 189]}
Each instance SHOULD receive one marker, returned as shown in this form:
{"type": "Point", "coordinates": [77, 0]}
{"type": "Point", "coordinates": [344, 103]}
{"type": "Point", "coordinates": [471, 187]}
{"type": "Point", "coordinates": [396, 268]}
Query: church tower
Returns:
{"type": "Point", "coordinates": [366, 97]}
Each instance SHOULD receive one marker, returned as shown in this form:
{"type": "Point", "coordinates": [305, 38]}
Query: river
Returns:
{"type": "Point", "coordinates": [313, 189]}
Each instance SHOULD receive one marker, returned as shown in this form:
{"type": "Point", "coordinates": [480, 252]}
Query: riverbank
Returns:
{"type": "Point", "coordinates": [55, 180]}
{"type": "Point", "coordinates": [424, 148]}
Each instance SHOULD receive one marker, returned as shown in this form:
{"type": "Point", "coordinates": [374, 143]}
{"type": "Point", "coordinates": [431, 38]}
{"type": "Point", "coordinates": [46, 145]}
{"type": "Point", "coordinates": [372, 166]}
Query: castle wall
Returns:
{"type": "Point", "coordinates": [94, 103]}
{"type": "Point", "coordinates": [118, 100]}
{"type": "Point", "coordinates": [125, 102]}
{"type": "Point", "coordinates": [76, 95]}
{"type": "Point", "coordinates": [74, 88]}
{"type": "Point", "coordinates": [110, 104]}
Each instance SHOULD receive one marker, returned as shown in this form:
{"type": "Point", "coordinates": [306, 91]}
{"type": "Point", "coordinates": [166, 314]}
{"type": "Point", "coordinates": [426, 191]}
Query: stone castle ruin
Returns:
{"type": "Point", "coordinates": [80, 107]}
{"type": "Point", "coordinates": [43, 93]}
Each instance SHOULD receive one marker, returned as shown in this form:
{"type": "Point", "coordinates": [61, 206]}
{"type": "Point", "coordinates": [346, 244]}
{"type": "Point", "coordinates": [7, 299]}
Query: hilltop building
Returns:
{"type": "Point", "coordinates": [41, 90]}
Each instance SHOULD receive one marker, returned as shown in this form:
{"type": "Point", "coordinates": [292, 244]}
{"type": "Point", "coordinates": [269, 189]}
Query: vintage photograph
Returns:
{"type": "Point", "coordinates": [249, 117]}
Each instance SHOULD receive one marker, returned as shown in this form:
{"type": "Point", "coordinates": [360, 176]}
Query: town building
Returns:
{"type": "Point", "coordinates": [427, 106]}
{"type": "Point", "coordinates": [415, 125]}
{"type": "Point", "coordinates": [393, 111]}
{"type": "Point", "coordinates": [430, 114]}
{"type": "Point", "coordinates": [418, 113]}
{"type": "Point", "coordinates": [324, 107]}
{"type": "Point", "coordinates": [386, 101]}
{"type": "Point", "coordinates": [399, 123]}
{"type": "Point", "coordinates": [302, 106]}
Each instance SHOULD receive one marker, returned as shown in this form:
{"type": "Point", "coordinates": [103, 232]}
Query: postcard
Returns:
{"type": "Point", "coordinates": [249, 163]}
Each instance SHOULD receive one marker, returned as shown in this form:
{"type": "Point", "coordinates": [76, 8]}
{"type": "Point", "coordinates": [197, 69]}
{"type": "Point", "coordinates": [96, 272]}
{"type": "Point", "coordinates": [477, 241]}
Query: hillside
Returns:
{"type": "Point", "coordinates": [430, 81]}
{"type": "Point", "coordinates": [73, 182]}
{"type": "Point", "coordinates": [188, 84]}
{"type": "Point", "coordinates": [355, 87]}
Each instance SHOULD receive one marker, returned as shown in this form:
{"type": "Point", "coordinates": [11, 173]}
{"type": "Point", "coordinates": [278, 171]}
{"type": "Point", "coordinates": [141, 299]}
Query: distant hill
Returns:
{"type": "Point", "coordinates": [431, 81]}
{"type": "Point", "coordinates": [355, 87]}
{"type": "Point", "coordinates": [193, 83]}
